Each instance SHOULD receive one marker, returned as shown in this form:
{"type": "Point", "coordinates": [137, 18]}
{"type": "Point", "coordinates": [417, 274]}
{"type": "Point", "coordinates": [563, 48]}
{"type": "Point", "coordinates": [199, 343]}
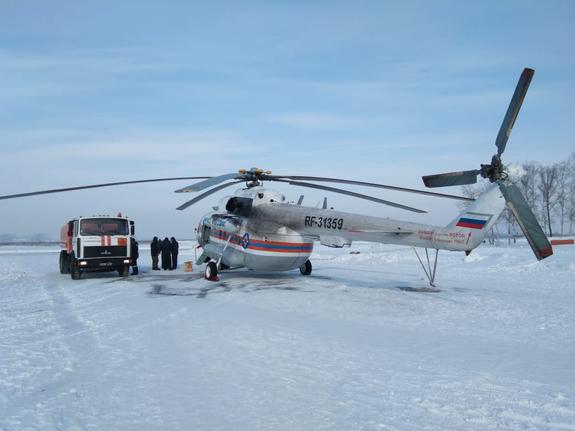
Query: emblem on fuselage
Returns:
{"type": "Point", "coordinates": [246, 240]}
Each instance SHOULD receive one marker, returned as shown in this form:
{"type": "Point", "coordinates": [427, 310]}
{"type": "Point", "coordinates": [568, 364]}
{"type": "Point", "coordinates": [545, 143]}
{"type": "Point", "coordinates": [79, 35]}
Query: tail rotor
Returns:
{"type": "Point", "coordinates": [496, 172]}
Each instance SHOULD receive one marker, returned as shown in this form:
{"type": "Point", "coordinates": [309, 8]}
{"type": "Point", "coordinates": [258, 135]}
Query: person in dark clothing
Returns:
{"type": "Point", "coordinates": [135, 253]}
{"type": "Point", "coordinates": [155, 251]}
{"type": "Point", "coordinates": [165, 248]}
{"type": "Point", "coordinates": [174, 247]}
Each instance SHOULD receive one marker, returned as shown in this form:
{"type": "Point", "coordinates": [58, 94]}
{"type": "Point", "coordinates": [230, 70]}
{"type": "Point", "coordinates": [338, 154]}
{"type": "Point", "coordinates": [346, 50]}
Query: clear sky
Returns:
{"type": "Point", "coordinates": [97, 91]}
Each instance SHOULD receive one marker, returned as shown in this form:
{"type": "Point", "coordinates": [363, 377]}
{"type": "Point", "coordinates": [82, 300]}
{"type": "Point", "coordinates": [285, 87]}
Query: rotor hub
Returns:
{"type": "Point", "coordinates": [494, 171]}
{"type": "Point", "coordinates": [253, 177]}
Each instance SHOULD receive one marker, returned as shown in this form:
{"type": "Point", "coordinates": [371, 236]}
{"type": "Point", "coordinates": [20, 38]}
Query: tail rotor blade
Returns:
{"type": "Point", "coordinates": [300, 200]}
{"type": "Point", "coordinates": [451, 178]}
{"type": "Point", "coordinates": [527, 221]}
{"type": "Point", "coordinates": [513, 110]}
{"type": "Point", "coordinates": [205, 195]}
{"type": "Point", "coordinates": [207, 183]}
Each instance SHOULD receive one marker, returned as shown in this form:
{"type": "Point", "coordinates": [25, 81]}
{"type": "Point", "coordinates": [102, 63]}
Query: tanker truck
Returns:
{"type": "Point", "coordinates": [97, 243]}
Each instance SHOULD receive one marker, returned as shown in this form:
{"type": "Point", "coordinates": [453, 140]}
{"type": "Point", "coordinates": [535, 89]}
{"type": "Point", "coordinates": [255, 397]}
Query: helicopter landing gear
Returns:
{"type": "Point", "coordinates": [306, 268]}
{"type": "Point", "coordinates": [211, 273]}
{"type": "Point", "coordinates": [430, 271]}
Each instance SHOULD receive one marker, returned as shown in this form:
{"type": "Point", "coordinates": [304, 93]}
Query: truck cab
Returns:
{"type": "Point", "coordinates": [97, 243]}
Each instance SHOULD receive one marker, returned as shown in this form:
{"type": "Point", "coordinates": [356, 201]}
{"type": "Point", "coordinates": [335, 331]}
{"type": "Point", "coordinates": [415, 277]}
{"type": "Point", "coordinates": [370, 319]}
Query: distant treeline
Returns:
{"type": "Point", "coordinates": [549, 191]}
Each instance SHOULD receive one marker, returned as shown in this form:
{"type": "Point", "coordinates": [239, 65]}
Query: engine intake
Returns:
{"type": "Point", "coordinates": [239, 206]}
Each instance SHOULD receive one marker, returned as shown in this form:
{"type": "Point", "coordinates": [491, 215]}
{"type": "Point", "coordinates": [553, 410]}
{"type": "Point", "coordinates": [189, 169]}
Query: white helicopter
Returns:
{"type": "Point", "coordinates": [258, 229]}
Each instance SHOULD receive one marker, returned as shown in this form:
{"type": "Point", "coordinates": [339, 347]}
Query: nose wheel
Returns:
{"type": "Point", "coordinates": [306, 268]}
{"type": "Point", "coordinates": [211, 273]}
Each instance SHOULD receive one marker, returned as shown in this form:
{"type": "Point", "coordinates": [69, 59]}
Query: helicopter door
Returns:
{"type": "Point", "coordinates": [205, 234]}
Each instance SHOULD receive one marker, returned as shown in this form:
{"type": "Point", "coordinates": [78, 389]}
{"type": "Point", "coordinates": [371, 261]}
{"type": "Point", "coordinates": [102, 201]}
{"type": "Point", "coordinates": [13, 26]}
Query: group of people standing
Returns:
{"type": "Point", "coordinates": [168, 249]}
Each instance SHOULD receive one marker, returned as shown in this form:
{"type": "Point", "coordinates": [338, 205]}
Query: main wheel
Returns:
{"type": "Point", "coordinates": [64, 262]}
{"type": "Point", "coordinates": [306, 268]}
{"type": "Point", "coordinates": [211, 271]}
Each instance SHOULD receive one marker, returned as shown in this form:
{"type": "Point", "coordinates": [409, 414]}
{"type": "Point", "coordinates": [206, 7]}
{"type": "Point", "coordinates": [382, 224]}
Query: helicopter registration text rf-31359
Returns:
{"type": "Point", "coordinates": [324, 222]}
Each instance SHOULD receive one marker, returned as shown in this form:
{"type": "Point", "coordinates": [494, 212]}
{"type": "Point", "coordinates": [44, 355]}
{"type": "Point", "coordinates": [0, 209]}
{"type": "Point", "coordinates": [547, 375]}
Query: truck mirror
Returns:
{"type": "Point", "coordinates": [132, 230]}
{"type": "Point", "coordinates": [71, 228]}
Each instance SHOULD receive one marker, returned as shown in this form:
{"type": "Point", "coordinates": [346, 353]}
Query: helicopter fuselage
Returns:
{"type": "Point", "coordinates": [260, 231]}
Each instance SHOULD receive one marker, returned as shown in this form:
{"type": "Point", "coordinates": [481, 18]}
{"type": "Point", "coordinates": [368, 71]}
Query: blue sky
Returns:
{"type": "Point", "coordinates": [99, 91]}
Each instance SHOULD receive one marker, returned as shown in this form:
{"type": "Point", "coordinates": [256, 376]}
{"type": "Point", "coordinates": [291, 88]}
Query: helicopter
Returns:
{"type": "Point", "coordinates": [256, 228]}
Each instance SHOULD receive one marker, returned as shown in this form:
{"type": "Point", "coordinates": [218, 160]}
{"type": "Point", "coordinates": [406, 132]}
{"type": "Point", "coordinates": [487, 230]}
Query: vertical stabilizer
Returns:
{"type": "Point", "coordinates": [476, 220]}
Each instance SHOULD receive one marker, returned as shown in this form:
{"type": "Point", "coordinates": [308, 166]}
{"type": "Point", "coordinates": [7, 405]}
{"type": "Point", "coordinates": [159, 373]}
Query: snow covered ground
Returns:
{"type": "Point", "coordinates": [355, 346]}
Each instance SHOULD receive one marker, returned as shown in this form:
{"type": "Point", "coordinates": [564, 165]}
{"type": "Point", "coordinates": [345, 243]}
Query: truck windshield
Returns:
{"type": "Point", "coordinates": [103, 226]}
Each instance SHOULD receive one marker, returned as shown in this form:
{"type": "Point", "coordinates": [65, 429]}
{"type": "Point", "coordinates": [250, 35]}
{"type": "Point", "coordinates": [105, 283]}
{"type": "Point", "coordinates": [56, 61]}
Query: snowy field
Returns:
{"type": "Point", "coordinates": [356, 346]}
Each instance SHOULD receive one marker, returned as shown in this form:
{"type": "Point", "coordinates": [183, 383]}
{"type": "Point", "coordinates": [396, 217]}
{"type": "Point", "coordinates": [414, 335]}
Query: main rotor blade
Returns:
{"type": "Point", "coordinates": [356, 195]}
{"type": "Point", "coordinates": [212, 181]}
{"type": "Point", "coordinates": [451, 178]}
{"type": "Point", "coordinates": [206, 194]}
{"type": "Point", "coordinates": [94, 186]}
{"type": "Point", "coordinates": [362, 183]}
{"type": "Point", "coordinates": [527, 221]}
{"type": "Point", "coordinates": [513, 109]}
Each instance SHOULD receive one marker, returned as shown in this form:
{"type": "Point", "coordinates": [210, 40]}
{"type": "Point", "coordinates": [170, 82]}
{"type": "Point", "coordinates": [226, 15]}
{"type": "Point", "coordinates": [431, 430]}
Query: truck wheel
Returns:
{"type": "Point", "coordinates": [76, 274]}
{"type": "Point", "coordinates": [305, 269]}
{"type": "Point", "coordinates": [124, 271]}
{"type": "Point", "coordinates": [64, 263]}
{"type": "Point", "coordinates": [74, 270]}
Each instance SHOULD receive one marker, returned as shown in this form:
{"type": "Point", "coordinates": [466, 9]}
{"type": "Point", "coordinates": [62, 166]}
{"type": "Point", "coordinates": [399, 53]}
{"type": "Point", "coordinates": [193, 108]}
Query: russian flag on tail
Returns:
{"type": "Point", "coordinates": [474, 220]}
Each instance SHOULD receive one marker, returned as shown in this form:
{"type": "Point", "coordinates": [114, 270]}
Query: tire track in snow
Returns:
{"type": "Point", "coordinates": [72, 374]}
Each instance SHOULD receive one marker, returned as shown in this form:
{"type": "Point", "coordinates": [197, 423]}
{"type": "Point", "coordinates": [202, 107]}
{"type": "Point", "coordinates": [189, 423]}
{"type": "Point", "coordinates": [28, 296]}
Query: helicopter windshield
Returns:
{"type": "Point", "coordinates": [103, 226]}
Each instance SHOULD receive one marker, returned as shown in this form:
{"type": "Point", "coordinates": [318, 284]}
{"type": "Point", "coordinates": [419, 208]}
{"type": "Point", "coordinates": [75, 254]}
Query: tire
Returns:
{"type": "Point", "coordinates": [306, 268]}
{"type": "Point", "coordinates": [211, 271]}
{"type": "Point", "coordinates": [64, 262]}
{"type": "Point", "coordinates": [75, 272]}
{"type": "Point", "coordinates": [124, 271]}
